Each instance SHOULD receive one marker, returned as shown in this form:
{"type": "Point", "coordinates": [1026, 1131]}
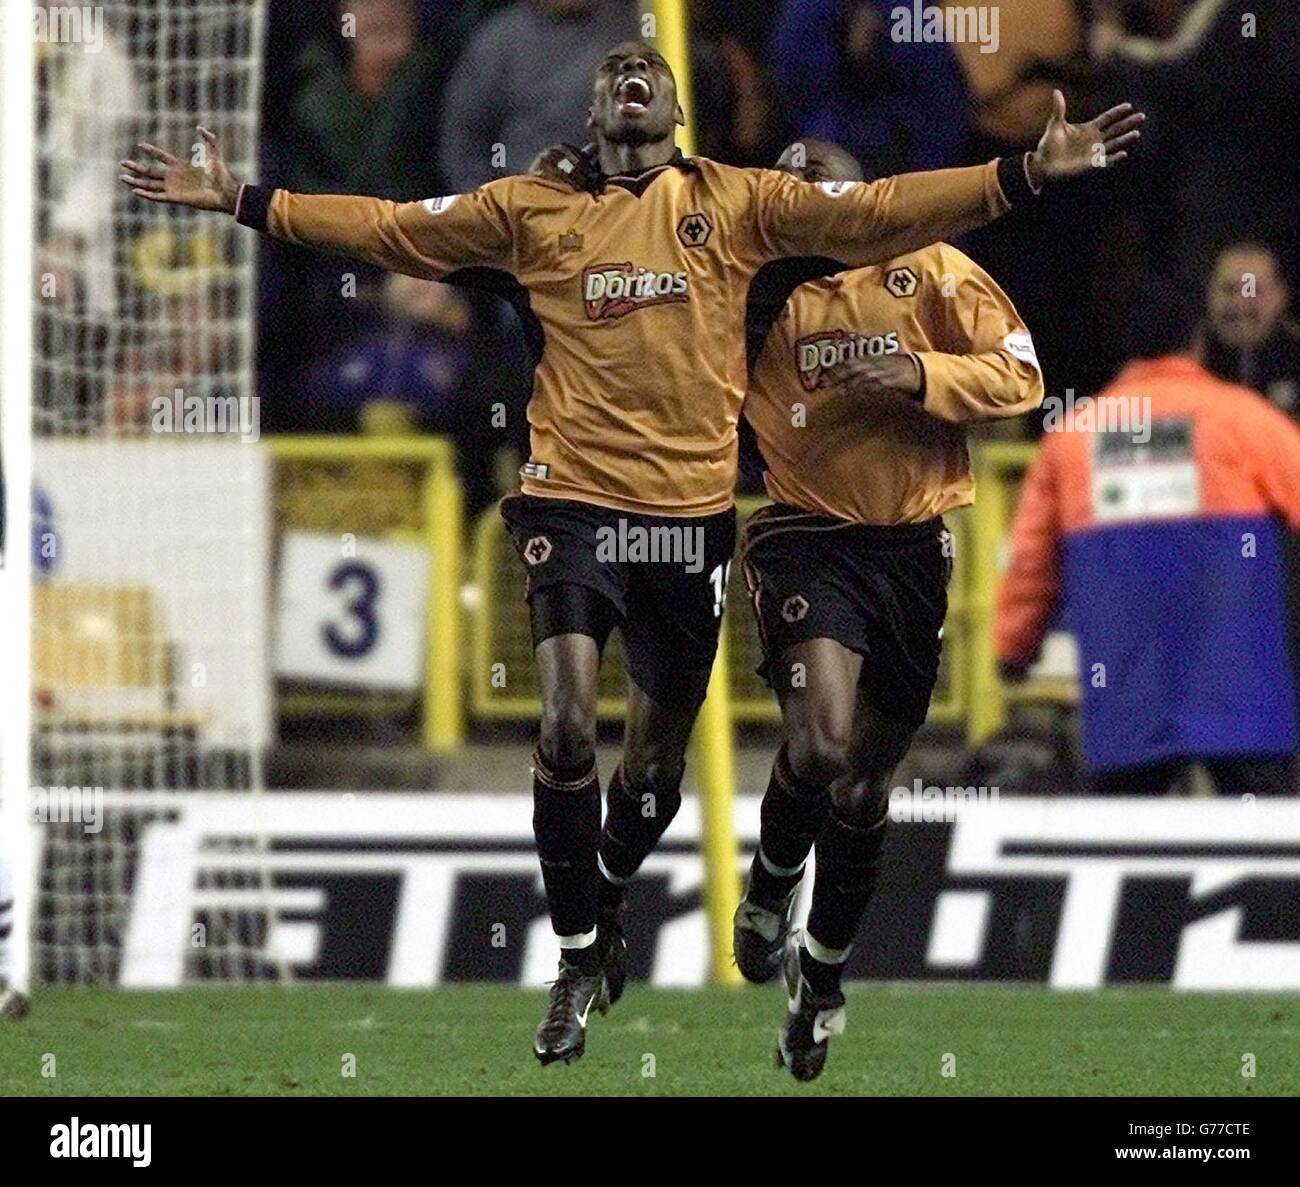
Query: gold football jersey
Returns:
{"type": "Point", "coordinates": [883, 458]}
{"type": "Point", "coordinates": [635, 295]}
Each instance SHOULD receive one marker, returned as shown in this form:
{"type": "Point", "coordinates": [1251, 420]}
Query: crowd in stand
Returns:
{"type": "Point", "coordinates": [408, 98]}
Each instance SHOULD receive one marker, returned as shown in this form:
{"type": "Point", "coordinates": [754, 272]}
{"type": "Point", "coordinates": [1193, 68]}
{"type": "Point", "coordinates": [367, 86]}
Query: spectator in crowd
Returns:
{"type": "Point", "coordinates": [733, 105]}
{"type": "Point", "coordinates": [96, 102]}
{"type": "Point", "coordinates": [1040, 44]}
{"type": "Point", "coordinates": [1161, 538]}
{"type": "Point", "coordinates": [360, 120]}
{"type": "Point", "coordinates": [1248, 337]}
{"type": "Point", "coordinates": [524, 82]}
{"type": "Point", "coordinates": [841, 76]}
{"type": "Point", "coordinates": [1047, 259]}
{"type": "Point", "coordinates": [86, 101]}
{"type": "Point", "coordinates": [443, 359]}
{"type": "Point", "coordinates": [186, 355]}
{"type": "Point", "coordinates": [1221, 95]}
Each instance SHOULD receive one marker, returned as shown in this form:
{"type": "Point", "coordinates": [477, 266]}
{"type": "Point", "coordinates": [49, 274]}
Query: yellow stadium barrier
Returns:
{"type": "Point", "coordinates": [395, 487]}
{"type": "Point", "coordinates": [669, 32]}
{"type": "Point", "coordinates": [999, 468]}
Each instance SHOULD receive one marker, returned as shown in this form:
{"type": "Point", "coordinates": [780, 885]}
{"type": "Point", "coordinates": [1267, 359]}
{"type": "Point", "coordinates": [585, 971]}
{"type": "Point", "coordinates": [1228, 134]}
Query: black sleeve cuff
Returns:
{"type": "Point", "coordinates": [1014, 180]}
{"type": "Point", "coordinates": [253, 206]}
{"type": "Point", "coordinates": [919, 397]}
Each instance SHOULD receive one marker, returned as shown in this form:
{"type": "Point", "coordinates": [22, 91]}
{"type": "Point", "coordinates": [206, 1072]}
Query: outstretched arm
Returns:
{"type": "Point", "coordinates": [429, 239]}
{"type": "Point", "coordinates": [870, 223]}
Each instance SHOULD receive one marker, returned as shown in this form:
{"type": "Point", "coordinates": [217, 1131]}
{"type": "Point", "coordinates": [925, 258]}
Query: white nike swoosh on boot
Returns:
{"type": "Point", "coordinates": [582, 1018]}
{"type": "Point", "coordinates": [827, 1023]}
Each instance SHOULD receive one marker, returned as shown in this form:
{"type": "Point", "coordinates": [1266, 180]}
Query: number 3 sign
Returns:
{"type": "Point", "coordinates": [354, 618]}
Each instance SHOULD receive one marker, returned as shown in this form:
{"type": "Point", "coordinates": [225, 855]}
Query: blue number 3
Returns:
{"type": "Point", "coordinates": [364, 592]}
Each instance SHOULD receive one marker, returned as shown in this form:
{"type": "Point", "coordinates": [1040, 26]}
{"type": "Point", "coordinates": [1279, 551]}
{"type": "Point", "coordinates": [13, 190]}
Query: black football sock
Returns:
{"type": "Point", "coordinates": [635, 819]}
{"type": "Point", "coordinates": [848, 860]}
{"type": "Point", "coordinates": [791, 816]}
{"type": "Point", "coordinates": [566, 823]}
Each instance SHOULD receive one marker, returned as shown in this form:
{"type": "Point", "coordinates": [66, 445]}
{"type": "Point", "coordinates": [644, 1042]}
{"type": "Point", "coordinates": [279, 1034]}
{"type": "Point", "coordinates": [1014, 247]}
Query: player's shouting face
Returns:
{"type": "Point", "coordinates": [634, 101]}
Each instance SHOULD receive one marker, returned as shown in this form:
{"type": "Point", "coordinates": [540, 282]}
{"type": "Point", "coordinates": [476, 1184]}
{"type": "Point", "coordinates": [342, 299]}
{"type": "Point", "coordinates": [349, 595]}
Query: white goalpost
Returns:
{"type": "Point", "coordinates": [149, 547]}
{"type": "Point", "coordinates": [17, 95]}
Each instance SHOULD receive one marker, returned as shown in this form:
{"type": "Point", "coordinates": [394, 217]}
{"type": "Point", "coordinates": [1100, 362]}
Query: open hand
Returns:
{"type": "Point", "coordinates": [203, 183]}
{"type": "Point", "coordinates": [1070, 150]}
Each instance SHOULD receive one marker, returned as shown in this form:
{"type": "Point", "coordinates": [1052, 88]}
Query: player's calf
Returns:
{"type": "Point", "coordinates": [639, 807]}
{"type": "Point", "coordinates": [848, 859]}
{"type": "Point", "coordinates": [792, 814]}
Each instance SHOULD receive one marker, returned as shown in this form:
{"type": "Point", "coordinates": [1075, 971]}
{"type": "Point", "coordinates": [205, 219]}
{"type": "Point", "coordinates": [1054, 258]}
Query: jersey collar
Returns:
{"type": "Point", "coordinates": [637, 183]}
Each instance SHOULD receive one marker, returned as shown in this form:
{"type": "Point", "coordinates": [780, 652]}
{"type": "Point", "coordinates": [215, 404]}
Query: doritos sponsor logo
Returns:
{"type": "Point", "coordinates": [818, 352]}
{"type": "Point", "coordinates": [613, 290]}
{"type": "Point", "coordinates": [439, 205]}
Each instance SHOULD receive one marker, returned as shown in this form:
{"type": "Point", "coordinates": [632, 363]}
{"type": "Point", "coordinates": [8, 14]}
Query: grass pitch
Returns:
{"type": "Point", "coordinates": [475, 1040]}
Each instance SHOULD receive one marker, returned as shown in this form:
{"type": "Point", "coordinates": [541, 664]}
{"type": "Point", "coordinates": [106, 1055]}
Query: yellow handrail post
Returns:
{"type": "Point", "coordinates": [444, 519]}
{"type": "Point", "coordinates": [712, 743]}
{"type": "Point", "coordinates": [987, 516]}
{"type": "Point", "coordinates": [715, 775]}
{"type": "Point", "coordinates": [670, 34]}
{"type": "Point", "coordinates": [995, 463]}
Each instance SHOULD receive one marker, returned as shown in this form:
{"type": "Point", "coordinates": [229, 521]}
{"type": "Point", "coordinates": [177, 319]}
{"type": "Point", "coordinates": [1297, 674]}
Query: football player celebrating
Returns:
{"type": "Point", "coordinates": [859, 402]}
{"type": "Point", "coordinates": [630, 268]}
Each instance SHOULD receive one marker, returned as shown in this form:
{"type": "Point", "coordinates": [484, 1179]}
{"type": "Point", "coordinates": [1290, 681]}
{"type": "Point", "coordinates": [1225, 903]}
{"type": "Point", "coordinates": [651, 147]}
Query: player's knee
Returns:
{"type": "Point", "coordinates": [657, 781]}
{"type": "Point", "coordinates": [568, 737]}
{"type": "Point", "coordinates": [862, 800]}
{"type": "Point", "coordinates": [818, 756]}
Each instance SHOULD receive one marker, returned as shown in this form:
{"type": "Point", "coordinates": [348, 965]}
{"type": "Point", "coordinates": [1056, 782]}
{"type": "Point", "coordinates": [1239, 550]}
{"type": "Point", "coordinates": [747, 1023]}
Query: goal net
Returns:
{"type": "Point", "coordinates": [150, 547]}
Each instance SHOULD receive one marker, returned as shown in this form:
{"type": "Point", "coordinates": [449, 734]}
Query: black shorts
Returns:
{"type": "Point", "coordinates": [879, 591]}
{"type": "Point", "coordinates": [662, 580]}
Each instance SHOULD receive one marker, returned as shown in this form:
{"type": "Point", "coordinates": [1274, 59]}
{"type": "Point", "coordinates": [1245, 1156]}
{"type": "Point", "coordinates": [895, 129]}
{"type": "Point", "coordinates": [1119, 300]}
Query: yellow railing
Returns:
{"type": "Point", "coordinates": [420, 497]}
{"type": "Point", "coordinates": [999, 468]}
{"type": "Point", "coordinates": [501, 674]}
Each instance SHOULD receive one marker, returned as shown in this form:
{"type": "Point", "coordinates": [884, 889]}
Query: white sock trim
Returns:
{"type": "Point", "coordinates": [614, 879]}
{"type": "Point", "coordinates": [582, 940]}
{"type": "Point", "coordinates": [820, 952]}
{"type": "Point", "coordinates": [779, 871]}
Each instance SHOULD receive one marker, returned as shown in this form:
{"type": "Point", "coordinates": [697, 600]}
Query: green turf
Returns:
{"type": "Point", "coordinates": [475, 1040]}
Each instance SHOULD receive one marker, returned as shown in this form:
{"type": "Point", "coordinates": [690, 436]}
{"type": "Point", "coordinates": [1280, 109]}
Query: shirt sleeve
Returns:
{"type": "Point", "coordinates": [1274, 441]}
{"type": "Point", "coordinates": [1031, 586]}
{"type": "Point", "coordinates": [865, 223]}
{"type": "Point", "coordinates": [428, 239]}
{"type": "Point", "coordinates": [988, 369]}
